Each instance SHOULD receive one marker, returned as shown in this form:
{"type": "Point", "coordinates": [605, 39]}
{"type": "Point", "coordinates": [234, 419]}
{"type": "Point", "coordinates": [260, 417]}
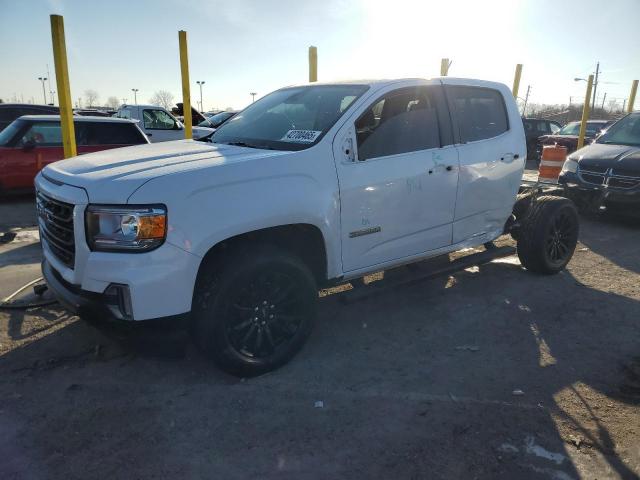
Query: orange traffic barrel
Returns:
{"type": "Point", "coordinates": [553, 157]}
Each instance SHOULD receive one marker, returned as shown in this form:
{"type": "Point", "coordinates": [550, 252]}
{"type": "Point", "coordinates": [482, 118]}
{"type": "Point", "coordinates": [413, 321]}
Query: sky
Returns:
{"type": "Point", "coordinates": [242, 46]}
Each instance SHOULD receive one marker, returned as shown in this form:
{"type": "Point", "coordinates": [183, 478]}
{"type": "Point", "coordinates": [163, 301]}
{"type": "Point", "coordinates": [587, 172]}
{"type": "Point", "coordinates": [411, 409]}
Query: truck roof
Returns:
{"type": "Point", "coordinates": [390, 81]}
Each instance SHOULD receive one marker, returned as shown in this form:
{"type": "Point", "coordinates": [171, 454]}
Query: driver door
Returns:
{"type": "Point", "coordinates": [160, 126]}
{"type": "Point", "coordinates": [398, 176]}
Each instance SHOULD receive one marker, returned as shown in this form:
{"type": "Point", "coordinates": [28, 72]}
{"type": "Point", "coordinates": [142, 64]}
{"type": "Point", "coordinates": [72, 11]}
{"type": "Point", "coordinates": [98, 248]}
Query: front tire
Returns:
{"type": "Point", "coordinates": [255, 310]}
{"type": "Point", "coordinates": [549, 235]}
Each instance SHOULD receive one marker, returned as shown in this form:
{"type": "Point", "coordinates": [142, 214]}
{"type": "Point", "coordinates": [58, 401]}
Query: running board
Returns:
{"type": "Point", "coordinates": [415, 275]}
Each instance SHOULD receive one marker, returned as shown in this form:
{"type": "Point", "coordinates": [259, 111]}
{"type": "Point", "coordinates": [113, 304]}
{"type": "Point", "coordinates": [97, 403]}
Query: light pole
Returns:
{"type": "Point", "coordinates": [253, 96]}
{"type": "Point", "coordinates": [44, 93]}
{"type": "Point", "coordinates": [200, 83]}
{"type": "Point", "coordinates": [51, 94]}
{"type": "Point", "coordinates": [124, 101]}
{"type": "Point", "coordinates": [135, 95]}
{"type": "Point", "coordinates": [595, 85]}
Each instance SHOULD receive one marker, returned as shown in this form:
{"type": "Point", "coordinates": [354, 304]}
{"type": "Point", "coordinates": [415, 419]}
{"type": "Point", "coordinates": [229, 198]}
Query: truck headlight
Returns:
{"type": "Point", "coordinates": [115, 228]}
{"type": "Point", "coordinates": [570, 165]}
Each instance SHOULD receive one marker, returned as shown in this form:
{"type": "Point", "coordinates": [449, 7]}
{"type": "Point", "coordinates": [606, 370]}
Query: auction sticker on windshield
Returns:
{"type": "Point", "coordinates": [304, 136]}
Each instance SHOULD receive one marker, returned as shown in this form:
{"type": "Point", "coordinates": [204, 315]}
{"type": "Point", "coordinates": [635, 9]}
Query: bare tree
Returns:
{"type": "Point", "coordinates": [113, 102]}
{"type": "Point", "coordinates": [91, 96]}
{"type": "Point", "coordinates": [163, 98]}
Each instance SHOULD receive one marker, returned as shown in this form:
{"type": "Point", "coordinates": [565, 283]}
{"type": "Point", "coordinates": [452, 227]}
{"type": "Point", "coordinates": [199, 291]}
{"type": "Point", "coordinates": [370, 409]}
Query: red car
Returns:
{"type": "Point", "coordinates": [33, 141]}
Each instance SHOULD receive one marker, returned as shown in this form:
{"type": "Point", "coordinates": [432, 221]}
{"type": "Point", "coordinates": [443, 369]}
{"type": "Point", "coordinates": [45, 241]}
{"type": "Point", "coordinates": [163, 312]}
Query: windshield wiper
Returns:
{"type": "Point", "coordinates": [240, 144]}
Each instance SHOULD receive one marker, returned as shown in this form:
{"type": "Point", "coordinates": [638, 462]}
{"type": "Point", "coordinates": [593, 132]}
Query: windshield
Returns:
{"type": "Point", "coordinates": [624, 132]}
{"type": "Point", "coordinates": [10, 131]}
{"type": "Point", "coordinates": [289, 119]}
{"type": "Point", "coordinates": [573, 128]}
{"type": "Point", "coordinates": [214, 121]}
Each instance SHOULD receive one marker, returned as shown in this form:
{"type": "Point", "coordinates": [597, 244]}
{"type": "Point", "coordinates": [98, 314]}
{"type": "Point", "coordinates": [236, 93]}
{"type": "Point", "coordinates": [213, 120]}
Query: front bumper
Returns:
{"type": "Point", "coordinates": [604, 195]}
{"type": "Point", "coordinates": [97, 307]}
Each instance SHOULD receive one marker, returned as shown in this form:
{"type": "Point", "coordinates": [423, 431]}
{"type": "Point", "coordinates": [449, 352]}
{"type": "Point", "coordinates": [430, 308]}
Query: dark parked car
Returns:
{"type": "Point", "coordinates": [607, 172]}
{"type": "Point", "coordinates": [214, 121]}
{"type": "Point", "coordinates": [535, 128]}
{"type": "Point", "coordinates": [33, 141]}
{"type": "Point", "coordinates": [10, 111]}
{"type": "Point", "coordinates": [568, 135]}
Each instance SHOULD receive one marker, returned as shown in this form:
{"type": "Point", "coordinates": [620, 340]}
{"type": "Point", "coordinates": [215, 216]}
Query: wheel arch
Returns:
{"type": "Point", "coordinates": [305, 240]}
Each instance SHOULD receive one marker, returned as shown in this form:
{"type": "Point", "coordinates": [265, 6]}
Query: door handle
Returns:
{"type": "Point", "coordinates": [449, 168]}
{"type": "Point", "coordinates": [509, 157]}
{"type": "Point", "coordinates": [149, 134]}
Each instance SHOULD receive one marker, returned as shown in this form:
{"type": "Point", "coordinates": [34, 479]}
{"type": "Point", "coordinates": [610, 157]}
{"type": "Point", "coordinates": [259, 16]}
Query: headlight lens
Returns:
{"type": "Point", "coordinates": [110, 228]}
{"type": "Point", "coordinates": [570, 165]}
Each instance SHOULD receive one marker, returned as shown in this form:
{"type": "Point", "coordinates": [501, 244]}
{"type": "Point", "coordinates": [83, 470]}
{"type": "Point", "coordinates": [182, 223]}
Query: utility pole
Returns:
{"type": "Point", "coordinates": [44, 94]}
{"type": "Point", "coordinates": [595, 86]}
{"type": "Point", "coordinates": [603, 99]}
{"type": "Point", "coordinates": [135, 95]}
{"type": "Point", "coordinates": [200, 83]}
{"type": "Point", "coordinates": [526, 99]}
{"type": "Point", "coordinates": [253, 96]}
{"type": "Point", "coordinates": [624, 104]}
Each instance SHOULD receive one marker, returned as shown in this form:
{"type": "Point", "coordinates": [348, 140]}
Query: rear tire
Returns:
{"type": "Point", "coordinates": [254, 311]}
{"type": "Point", "coordinates": [548, 235]}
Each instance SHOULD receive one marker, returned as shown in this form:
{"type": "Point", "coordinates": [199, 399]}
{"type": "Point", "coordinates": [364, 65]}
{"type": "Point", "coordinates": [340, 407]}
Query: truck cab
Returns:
{"type": "Point", "coordinates": [159, 124]}
{"type": "Point", "coordinates": [311, 185]}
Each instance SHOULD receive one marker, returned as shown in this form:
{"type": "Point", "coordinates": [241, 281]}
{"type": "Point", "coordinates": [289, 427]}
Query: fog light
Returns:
{"type": "Point", "coordinates": [118, 300]}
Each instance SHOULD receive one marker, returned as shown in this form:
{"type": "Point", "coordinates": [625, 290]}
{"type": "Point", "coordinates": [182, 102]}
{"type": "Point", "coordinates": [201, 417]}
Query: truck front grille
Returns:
{"type": "Point", "coordinates": [55, 219]}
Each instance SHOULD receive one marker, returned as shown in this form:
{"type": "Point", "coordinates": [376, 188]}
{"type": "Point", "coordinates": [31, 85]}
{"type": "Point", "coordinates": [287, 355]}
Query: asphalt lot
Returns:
{"type": "Point", "coordinates": [416, 382]}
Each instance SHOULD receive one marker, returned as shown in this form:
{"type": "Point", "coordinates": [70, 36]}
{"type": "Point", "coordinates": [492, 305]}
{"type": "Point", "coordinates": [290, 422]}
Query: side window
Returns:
{"type": "Point", "coordinates": [542, 128]}
{"type": "Point", "coordinates": [82, 133]}
{"type": "Point", "coordinates": [8, 114]}
{"type": "Point", "coordinates": [554, 128]}
{"type": "Point", "coordinates": [124, 113]}
{"type": "Point", "coordinates": [113, 133]}
{"type": "Point", "coordinates": [480, 112]}
{"type": "Point", "coordinates": [45, 134]}
{"type": "Point", "coordinates": [158, 120]}
{"type": "Point", "coordinates": [402, 121]}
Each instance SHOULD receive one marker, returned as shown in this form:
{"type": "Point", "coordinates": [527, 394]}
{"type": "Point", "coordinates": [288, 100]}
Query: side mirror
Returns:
{"type": "Point", "coordinates": [178, 125]}
{"type": "Point", "coordinates": [28, 145]}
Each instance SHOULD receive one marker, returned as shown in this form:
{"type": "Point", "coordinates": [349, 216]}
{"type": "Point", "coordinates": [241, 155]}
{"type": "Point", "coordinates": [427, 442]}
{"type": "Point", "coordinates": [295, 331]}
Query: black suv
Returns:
{"type": "Point", "coordinates": [607, 172]}
{"type": "Point", "coordinates": [535, 128]}
{"type": "Point", "coordinates": [10, 111]}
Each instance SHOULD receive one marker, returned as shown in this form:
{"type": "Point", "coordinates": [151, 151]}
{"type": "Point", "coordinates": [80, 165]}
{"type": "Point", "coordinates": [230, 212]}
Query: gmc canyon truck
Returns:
{"type": "Point", "coordinates": [308, 187]}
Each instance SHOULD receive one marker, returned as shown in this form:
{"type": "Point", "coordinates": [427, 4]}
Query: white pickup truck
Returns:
{"type": "Point", "coordinates": [310, 186]}
{"type": "Point", "coordinates": [158, 124]}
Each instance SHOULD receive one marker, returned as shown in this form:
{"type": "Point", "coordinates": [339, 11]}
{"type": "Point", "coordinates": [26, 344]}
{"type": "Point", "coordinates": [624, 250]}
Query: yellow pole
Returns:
{"type": "Point", "coordinates": [444, 67]}
{"type": "Point", "coordinates": [313, 64]}
{"type": "Point", "coordinates": [186, 91]}
{"type": "Point", "coordinates": [585, 113]}
{"type": "Point", "coordinates": [632, 96]}
{"type": "Point", "coordinates": [516, 81]}
{"type": "Point", "coordinates": [62, 82]}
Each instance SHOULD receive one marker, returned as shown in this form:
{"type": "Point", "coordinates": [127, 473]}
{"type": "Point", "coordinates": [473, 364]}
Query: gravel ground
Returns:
{"type": "Point", "coordinates": [488, 373]}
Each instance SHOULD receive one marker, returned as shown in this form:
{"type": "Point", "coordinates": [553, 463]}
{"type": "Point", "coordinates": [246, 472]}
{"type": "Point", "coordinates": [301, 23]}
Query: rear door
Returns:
{"type": "Point", "coordinates": [398, 174]}
{"type": "Point", "coordinates": [491, 144]}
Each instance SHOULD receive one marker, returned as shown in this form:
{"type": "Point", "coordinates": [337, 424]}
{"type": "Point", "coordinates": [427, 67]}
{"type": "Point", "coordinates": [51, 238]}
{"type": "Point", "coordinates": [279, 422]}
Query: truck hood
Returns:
{"type": "Point", "coordinates": [111, 176]}
{"type": "Point", "coordinates": [623, 159]}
